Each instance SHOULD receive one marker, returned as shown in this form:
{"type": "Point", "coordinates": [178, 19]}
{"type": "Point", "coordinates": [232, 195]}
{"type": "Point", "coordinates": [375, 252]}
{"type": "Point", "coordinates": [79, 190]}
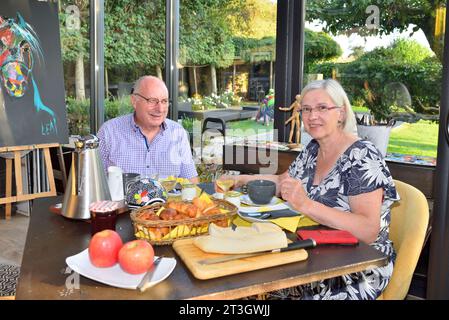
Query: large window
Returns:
{"type": "Point", "coordinates": [389, 60]}
{"type": "Point", "coordinates": [134, 45]}
{"type": "Point", "coordinates": [226, 60]}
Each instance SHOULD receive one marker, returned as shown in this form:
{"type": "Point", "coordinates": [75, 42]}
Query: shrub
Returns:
{"type": "Point", "coordinates": [187, 123]}
{"type": "Point", "coordinates": [117, 106]}
{"type": "Point", "coordinates": [78, 116]}
{"type": "Point", "coordinates": [367, 78]}
{"type": "Point", "coordinates": [78, 113]}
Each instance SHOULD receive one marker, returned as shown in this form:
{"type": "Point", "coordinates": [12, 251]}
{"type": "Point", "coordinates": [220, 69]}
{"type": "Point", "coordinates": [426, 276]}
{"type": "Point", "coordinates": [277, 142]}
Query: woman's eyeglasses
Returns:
{"type": "Point", "coordinates": [152, 102]}
{"type": "Point", "coordinates": [320, 109]}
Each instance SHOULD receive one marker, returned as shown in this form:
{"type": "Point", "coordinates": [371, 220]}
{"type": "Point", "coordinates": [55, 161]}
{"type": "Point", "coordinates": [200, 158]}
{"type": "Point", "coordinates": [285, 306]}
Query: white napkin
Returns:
{"type": "Point", "coordinates": [259, 237]}
{"type": "Point", "coordinates": [115, 183]}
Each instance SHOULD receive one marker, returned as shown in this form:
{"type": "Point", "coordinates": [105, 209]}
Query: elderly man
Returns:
{"type": "Point", "coordinates": [146, 142]}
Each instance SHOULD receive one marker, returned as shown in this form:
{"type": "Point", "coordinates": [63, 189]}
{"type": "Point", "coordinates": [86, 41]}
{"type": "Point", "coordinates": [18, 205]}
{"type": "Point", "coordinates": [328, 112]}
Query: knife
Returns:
{"type": "Point", "coordinates": [147, 277]}
{"type": "Point", "coordinates": [302, 244]}
{"type": "Point", "coordinates": [283, 213]}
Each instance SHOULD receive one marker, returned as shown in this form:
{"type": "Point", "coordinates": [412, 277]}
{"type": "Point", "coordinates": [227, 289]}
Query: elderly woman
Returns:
{"type": "Point", "coordinates": [341, 182]}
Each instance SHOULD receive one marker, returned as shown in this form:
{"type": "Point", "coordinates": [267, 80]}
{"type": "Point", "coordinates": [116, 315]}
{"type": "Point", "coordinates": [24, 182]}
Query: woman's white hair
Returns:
{"type": "Point", "coordinates": [339, 97]}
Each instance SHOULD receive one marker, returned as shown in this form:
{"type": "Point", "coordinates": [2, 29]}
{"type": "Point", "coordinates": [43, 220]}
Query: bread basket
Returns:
{"type": "Point", "coordinates": [164, 232]}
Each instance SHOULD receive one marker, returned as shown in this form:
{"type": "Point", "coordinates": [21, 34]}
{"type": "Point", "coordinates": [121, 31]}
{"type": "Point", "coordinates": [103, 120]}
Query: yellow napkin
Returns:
{"type": "Point", "coordinates": [288, 223]}
{"type": "Point", "coordinates": [179, 180]}
{"type": "Point", "coordinates": [306, 222]}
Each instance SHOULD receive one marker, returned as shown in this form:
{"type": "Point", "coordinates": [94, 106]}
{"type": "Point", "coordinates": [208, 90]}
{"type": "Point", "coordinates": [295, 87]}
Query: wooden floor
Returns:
{"type": "Point", "coordinates": [12, 237]}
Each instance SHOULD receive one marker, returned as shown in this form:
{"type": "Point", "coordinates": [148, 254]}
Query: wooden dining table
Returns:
{"type": "Point", "coordinates": [52, 238]}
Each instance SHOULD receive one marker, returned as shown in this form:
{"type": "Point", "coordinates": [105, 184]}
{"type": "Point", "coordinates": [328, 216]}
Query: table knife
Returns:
{"type": "Point", "coordinates": [302, 244]}
{"type": "Point", "coordinates": [148, 276]}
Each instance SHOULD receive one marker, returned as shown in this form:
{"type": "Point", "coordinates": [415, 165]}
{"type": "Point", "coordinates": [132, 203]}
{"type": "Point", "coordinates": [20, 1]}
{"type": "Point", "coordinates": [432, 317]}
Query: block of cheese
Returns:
{"type": "Point", "coordinates": [259, 237]}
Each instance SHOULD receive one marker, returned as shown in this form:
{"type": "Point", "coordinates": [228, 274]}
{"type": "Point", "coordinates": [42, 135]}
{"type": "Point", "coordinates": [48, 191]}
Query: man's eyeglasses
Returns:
{"type": "Point", "coordinates": [152, 102]}
{"type": "Point", "coordinates": [320, 109]}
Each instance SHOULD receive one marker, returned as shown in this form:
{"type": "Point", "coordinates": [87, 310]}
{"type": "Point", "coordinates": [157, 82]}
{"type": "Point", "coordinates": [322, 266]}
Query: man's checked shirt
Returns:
{"type": "Point", "coordinates": [122, 144]}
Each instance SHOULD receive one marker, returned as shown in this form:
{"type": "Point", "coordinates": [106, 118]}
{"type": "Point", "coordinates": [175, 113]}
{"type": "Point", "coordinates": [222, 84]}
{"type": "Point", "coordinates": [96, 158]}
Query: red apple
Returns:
{"type": "Point", "coordinates": [104, 248]}
{"type": "Point", "coordinates": [136, 256]}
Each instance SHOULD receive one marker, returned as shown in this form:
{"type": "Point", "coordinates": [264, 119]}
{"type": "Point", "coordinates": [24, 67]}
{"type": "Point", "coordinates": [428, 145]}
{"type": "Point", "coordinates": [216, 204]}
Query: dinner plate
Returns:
{"type": "Point", "coordinates": [115, 276]}
{"type": "Point", "coordinates": [275, 214]}
{"type": "Point", "coordinates": [246, 200]}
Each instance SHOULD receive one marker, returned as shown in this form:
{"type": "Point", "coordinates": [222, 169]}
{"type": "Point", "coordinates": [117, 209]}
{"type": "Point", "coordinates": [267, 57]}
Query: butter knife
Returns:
{"type": "Point", "coordinates": [143, 285]}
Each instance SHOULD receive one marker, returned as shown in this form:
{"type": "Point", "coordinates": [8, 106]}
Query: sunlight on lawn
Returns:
{"type": "Point", "coordinates": [420, 138]}
{"type": "Point", "coordinates": [247, 127]}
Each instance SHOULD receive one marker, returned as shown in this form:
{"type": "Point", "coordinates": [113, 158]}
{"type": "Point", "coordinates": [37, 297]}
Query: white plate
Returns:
{"type": "Point", "coordinates": [115, 276]}
{"type": "Point", "coordinates": [246, 200]}
{"type": "Point", "coordinates": [218, 195]}
{"type": "Point", "coordinates": [244, 216]}
{"type": "Point", "coordinates": [279, 206]}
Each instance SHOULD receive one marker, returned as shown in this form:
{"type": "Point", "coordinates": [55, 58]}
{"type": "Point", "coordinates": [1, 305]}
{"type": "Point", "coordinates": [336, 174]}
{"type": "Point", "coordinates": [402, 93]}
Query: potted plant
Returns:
{"type": "Point", "coordinates": [384, 105]}
{"type": "Point", "coordinates": [187, 123]}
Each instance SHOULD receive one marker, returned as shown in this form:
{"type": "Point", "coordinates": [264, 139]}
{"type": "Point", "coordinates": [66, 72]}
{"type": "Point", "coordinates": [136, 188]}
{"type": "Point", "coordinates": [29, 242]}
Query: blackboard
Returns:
{"type": "Point", "coordinates": [32, 99]}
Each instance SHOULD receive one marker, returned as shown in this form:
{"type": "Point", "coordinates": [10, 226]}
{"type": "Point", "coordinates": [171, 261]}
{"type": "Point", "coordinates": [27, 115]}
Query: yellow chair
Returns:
{"type": "Point", "coordinates": [409, 221]}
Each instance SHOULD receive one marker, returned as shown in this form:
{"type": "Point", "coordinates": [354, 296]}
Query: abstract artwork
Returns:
{"type": "Point", "coordinates": [32, 104]}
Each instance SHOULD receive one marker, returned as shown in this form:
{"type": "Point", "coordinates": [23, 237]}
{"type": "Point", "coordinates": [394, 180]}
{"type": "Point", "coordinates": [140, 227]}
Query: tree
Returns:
{"type": "Point", "coordinates": [205, 34]}
{"type": "Point", "coordinates": [357, 51]}
{"type": "Point", "coordinates": [348, 16]}
{"type": "Point", "coordinates": [257, 21]}
{"type": "Point", "coordinates": [319, 46]}
{"type": "Point", "coordinates": [388, 81]}
{"type": "Point", "coordinates": [74, 39]}
{"type": "Point", "coordinates": [134, 35]}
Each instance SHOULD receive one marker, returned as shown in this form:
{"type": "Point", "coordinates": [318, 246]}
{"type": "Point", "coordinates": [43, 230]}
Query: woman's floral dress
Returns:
{"type": "Point", "coordinates": [360, 169]}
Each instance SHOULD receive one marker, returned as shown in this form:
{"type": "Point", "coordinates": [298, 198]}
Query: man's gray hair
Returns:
{"type": "Point", "coordinates": [139, 81]}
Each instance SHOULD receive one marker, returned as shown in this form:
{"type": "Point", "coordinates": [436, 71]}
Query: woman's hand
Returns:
{"type": "Point", "coordinates": [293, 192]}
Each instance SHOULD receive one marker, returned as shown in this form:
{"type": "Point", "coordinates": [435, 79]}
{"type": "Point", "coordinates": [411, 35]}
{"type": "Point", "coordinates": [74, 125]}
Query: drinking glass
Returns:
{"type": "Point", "coordinates": [225, 184]}
{"type": "Point", "coordinates": [169, 184]}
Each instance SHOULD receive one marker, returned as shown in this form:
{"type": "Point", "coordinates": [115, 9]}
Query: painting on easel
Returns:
{"type": "Point", "coordinates": [32, 102]}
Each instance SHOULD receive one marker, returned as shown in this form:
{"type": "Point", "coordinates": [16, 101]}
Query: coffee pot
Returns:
{"type": "Point", "coordinates": [87, 181]}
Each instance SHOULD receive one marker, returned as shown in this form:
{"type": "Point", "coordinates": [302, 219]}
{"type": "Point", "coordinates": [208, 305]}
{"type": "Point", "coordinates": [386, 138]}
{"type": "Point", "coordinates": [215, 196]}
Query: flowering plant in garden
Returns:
{"type": "Point", "coordinates": [214, 101]}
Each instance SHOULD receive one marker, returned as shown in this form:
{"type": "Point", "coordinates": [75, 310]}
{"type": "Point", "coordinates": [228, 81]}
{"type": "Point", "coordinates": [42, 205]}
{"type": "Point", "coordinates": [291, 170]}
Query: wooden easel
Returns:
{"type": "Point", "coordinates": [20, 196]}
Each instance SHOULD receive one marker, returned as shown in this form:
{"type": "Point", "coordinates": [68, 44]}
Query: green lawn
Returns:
{"type": "Point", "coordinates": [360, 109]}
{"type": "Point", "coordinates": [247, 127]}
{"type": "Point", "coordinates": [420, 138]}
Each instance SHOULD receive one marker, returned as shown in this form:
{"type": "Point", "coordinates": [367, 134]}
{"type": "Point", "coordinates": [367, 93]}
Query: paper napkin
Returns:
{"type": "Point", "coordinates": [287, 223]}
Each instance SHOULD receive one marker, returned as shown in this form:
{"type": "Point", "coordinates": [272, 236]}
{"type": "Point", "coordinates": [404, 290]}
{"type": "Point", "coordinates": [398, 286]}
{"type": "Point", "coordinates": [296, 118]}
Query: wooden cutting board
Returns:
{"type": "Point", "coordinates": [191, 255]}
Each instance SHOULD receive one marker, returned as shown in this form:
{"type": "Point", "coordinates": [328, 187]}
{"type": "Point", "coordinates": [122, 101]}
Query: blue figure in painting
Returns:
{"type": "Point", "coordinates": [19, 48]}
